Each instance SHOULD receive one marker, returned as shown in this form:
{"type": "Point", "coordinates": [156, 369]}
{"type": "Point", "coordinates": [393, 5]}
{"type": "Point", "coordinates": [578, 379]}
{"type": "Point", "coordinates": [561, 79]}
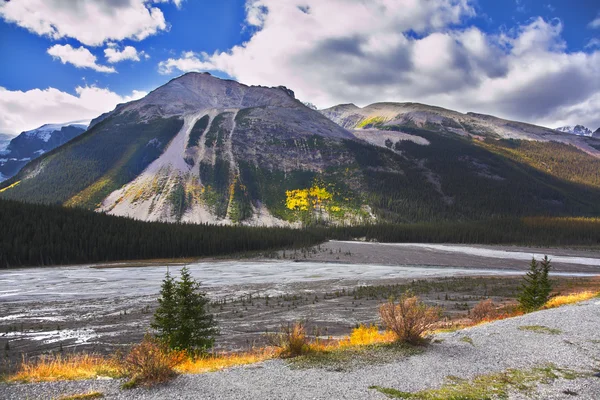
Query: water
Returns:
{"type": "Point", "coordinates": [85, 282]}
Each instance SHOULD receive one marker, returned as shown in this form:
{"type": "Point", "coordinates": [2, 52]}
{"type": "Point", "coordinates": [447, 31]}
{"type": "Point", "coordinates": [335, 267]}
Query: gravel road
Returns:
{"type": "Point", "coordinates": [491, 348]}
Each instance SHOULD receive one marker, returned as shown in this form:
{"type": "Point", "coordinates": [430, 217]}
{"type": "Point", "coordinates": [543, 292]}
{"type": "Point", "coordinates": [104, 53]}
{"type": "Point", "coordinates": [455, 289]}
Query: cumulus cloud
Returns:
{"type": "Point", "coordinates": [114, 55]}
{"type": "Point", "coordinates": [79, 57]}
{"type": "Point", "coordinates": [341, 51]}
{"type": "Point", "coordinates": [92, 22]}
{"type": "Point", "coordinates": [25, 110]}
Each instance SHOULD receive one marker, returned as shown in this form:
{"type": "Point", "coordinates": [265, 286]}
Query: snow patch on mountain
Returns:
{"type": "Point", "coordinates": [44, 132]}
{"type": "Point", "coordinates": [578, 130]}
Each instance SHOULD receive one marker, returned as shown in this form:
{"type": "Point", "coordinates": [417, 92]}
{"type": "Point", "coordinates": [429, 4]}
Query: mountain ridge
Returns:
{"type": "Point", "coordinates": [201, 149]}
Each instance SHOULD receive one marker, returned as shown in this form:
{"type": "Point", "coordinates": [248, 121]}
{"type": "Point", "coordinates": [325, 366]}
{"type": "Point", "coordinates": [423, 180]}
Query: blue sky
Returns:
{"type": "Point", "coordinates": [535, 61]}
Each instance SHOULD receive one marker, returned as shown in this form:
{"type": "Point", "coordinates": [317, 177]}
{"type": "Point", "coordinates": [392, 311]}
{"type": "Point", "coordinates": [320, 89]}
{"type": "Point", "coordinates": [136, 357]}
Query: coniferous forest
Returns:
{"type": "Point", "coordinates": [33, 235]}
{"type": "Point", "coordinates": [52, 235]}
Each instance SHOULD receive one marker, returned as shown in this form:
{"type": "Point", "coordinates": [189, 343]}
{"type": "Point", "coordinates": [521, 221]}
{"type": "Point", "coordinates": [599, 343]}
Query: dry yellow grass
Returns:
{"type": "Point", "coordinates": [570, 299]}
{"type": "Point", "coordinates": [367, 335]}
{"type": "Point", "coordinates": [71, 367]}
{"type": "Point", "coordinates": [217, 362]}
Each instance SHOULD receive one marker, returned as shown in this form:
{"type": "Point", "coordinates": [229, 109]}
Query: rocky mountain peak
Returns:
{"type": "Point", "coordinates": [579, 130]}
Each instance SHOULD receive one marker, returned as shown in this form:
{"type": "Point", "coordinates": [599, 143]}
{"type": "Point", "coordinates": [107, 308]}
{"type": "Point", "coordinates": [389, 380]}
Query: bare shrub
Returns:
{"type": "Point", "coordinates": [409, 318]}
{"type": "Point", "coordinates": [485, 310]}
{"type": "Point", "coordinates": [291, 339]}
{"type": "Point", "coordinates": [151, 362]}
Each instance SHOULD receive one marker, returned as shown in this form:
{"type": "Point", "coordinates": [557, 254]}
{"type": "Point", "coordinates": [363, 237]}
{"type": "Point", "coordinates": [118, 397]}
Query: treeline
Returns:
{"type": "Point", "coordinates": [32, 235]}
{"type": "Point", "coordinates": [527, 231]}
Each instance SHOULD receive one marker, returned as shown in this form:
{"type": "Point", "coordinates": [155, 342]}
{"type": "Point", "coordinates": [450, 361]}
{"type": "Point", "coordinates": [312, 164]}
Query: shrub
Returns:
{"type": "Point", "coordinates": [291, 339]}
{"type": "Point", "coordinates": [181, 319]}
{"type": "Point", "coordinates": [484, 310]}
{"type": "Point", "coordinates": [151, 362]}
{"type": "Point", "coordinates": [409, 319]}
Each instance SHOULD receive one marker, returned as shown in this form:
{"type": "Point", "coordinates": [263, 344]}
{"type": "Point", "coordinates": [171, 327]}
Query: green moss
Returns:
{"type": "Point", "coordinates": [540, 329]}
{"type": "Point", "coordinates": [486, 387]}
{"type": "Point", "coordinates": [467, 339]}
{"type": "Point", "coordinates": [83, 396]}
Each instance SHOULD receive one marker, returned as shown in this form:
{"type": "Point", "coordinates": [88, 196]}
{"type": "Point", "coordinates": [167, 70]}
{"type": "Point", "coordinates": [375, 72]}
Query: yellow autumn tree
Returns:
{"type": "Point", "coordinates": [307, 199]}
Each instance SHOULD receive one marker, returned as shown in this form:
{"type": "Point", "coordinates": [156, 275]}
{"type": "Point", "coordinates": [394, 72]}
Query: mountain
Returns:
{"type": "Point", "coordinates": [5, 138]}
{"type": "Point", "coordinates": [597, 133]}
{"type": "Point", "coordinates": [414, 115]}
{"type": "Point", "coordinates": [31, 144]}
{"type": "Point", "coordinates": [579, 130]}
{"type": "Point", "coordinates": [205, 150]}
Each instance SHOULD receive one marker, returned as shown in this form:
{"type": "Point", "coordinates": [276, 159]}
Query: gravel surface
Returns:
{"type": "Point", "coordinates": [494, 347]}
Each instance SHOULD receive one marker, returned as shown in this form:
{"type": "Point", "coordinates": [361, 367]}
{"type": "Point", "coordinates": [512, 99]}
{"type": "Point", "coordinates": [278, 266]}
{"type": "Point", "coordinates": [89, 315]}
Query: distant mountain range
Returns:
{"type": "Point", "coordinates": [576, 130]}
{"type": "Point", "coordinates": [205, 150]}
{"type": "Point", "coordinates": [29, 145]}
{"type": "Point", "coordinates": [5, 138]}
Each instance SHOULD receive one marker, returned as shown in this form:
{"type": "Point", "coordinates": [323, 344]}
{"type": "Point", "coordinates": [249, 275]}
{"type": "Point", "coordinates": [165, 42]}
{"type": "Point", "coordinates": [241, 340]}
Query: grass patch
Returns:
{"type": "Point", "coordinates": [350, 358]}
{"type": "Point", "coordinates": [572, 298]}
{"type": "Point", "coordinates": [486, 387]}
{"type": "Point", "coordinates": [540, 329]}
{"type": "Point", "coordinates": [70, 367]}
{"type": "Point", "coordinates": [83, 396]}
{"type": "Point", "coordinates": [467, 339]}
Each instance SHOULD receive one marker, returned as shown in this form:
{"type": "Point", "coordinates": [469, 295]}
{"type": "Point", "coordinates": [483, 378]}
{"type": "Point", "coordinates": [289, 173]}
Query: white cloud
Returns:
{"type": "Point", "coordinates": [79, 57]}
{"type": "Point", "coordinates": [189, 61]}
{"type": "Point", "coordinates": [594, 42]}
{"type": "Point", "coordinates": [114, 55]}
{"type": "Point", "coordinates": [20, 111]}
{"type": "Point", "coordinates": [176, 2]}
{"type": "Point", "coordinates": [595, 24]}
{"type": "Point", "coordinates": [341, 51]}
{"type": "Point", "coordinates": [92, 22]}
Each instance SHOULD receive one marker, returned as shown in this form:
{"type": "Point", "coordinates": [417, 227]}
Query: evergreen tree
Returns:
{"type": "Point", "coordinates": [182, 319]}
{"type": "Point", "coordinates": [536, 289]}
{"type": "Point", "coordinates": [165, 317]}
{"type": "Point", "coordinates": [545, 284]}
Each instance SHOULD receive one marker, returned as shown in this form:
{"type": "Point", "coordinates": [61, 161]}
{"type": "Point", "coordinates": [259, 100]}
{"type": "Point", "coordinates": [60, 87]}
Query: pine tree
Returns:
{"type": "Point", "coordinates": [545, 284]}
{"type": "Point", "coordinates": [165, 317]}
{"type": "Point", "coordinates": [535, 292]}
{"type": "Point", "coordinates": [197, 328]}
{"type": "Point", "coordinates": [529, 290]}
{"type": "Point", "coordinates": [182, 319]}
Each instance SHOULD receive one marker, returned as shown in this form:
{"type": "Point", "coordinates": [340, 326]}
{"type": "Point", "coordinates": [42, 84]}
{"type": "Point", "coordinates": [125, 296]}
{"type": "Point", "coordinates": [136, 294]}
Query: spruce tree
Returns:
{"type": "Point", "coordinates": [165, 317]}
{"type": "Point", "coordinates": [545, 284]}
{"type": "Point", "coordinates": [529, 289]}
{"type": "Point", "coordinates": [182, 320]}
{"type": "Point", "coordinates": [196, 328]}
{"type": "Point", "coordinates": [536, 289]}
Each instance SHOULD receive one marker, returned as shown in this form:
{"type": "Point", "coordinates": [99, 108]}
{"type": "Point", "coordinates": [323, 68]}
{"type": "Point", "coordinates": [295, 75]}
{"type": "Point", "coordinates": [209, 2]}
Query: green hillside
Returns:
{"type": "Point", "coordinates": [85, 170]}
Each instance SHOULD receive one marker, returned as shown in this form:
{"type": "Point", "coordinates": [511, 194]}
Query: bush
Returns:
{"type": "Point", "coordinates": [484, 310]}
{"type": "Point", "coordinates": [291, 339]}
{"type": "Point", "coordinates": [409, 319]}
{"type": "Point", "coordinates": [151, 362]}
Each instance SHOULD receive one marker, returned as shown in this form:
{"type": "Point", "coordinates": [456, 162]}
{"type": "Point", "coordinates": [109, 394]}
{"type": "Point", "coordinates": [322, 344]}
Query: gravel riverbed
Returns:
{"type": "Point", "coordinates": [494, 347]}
